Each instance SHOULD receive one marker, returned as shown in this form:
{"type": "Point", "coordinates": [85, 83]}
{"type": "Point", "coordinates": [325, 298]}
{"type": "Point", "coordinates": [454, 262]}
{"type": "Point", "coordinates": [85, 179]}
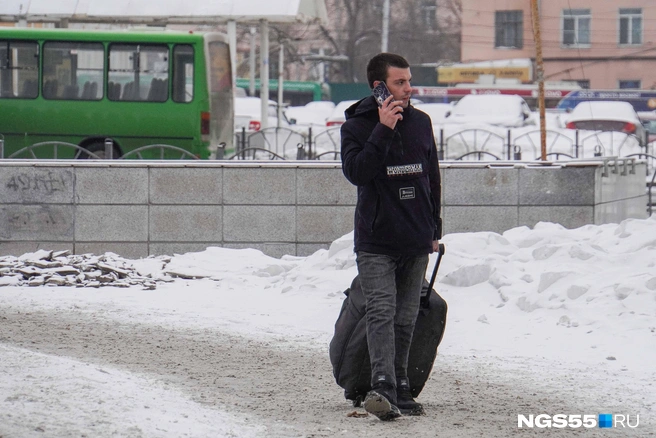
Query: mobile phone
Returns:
{"type": "Point", "coordinates": [381, 92]}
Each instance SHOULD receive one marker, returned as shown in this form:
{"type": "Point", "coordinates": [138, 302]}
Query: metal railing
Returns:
{"type": "Point", "coordinates": [285, 144]}
{"type": "Point", "coordinates": [651, 179]}
{"type": "Point", "coordinates": [161, 149]}
{"type": "Point", "coordinates": [28, 152]}
{"type": "Point", "coordinates": [557, 143]}
{"type": "Point", "coordinates": [109, 151]}
{"type": "Point", "coordinates": [466, 142]}
{"type": "Point", "coordinates": [325, 144]}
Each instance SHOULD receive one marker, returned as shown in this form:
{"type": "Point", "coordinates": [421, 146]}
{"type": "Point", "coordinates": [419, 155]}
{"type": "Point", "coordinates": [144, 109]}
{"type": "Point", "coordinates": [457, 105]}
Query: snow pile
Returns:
{"type": "Point", "coordinates": [561, 309]}
{"type": "Point", "coordinates": [60, 268]}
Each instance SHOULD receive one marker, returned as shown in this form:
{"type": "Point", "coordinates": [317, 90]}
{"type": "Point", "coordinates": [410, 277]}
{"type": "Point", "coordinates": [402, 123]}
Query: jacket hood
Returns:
{"type": "Point", "coordinates": [361, 107]}
{"type": "Point", "coordinates": [368, 107]}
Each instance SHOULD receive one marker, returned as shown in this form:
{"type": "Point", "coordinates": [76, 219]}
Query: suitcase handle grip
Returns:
{"type": "Point", "coordinates": [440, 253]}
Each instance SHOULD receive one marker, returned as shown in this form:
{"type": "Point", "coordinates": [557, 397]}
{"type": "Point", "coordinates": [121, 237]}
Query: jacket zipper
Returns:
{"type": "Point", "coordinates": [400, 139]}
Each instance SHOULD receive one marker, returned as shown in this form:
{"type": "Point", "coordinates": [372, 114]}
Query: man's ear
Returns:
{"type": "Point", "coordinates": [376, 84]}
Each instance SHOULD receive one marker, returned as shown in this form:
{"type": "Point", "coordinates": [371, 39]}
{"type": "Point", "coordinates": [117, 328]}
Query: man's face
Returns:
{"type": "Point", "coordinates": [398, 82]}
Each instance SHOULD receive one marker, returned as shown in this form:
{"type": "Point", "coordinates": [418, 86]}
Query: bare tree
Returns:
{"type": "Point", "coordinates": [354, 33]}
{"type": "Point", "coordinates": [356, 28]}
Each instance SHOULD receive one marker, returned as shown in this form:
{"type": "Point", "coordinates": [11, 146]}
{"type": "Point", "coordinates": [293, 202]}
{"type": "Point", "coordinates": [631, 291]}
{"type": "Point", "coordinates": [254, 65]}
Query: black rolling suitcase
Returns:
{"type": "Point", "coordinates": [349, 354]}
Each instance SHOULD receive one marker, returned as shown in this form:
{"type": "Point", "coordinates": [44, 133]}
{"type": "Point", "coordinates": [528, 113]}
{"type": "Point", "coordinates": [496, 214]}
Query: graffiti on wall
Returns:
{"type": "Point", "coordinates": [43, 181]}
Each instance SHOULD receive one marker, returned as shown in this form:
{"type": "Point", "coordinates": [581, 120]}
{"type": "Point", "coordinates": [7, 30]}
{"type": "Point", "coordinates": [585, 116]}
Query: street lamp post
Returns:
{"type": "Point", "coordinates": [385, 32]}
{"type": "Point", "coordinates": [540, 76]}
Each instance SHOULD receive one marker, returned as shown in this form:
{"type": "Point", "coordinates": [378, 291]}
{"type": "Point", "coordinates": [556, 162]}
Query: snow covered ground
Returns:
{"type": "Point", "coordinates": [541, 321]}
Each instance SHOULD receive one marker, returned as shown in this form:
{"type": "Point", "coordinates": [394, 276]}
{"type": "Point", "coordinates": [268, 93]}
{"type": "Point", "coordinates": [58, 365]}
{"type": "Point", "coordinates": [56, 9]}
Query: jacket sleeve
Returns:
{"type": "Point", "coordinates": [362, 159]}
{"type": "Point", "coordinates": [435, 187]}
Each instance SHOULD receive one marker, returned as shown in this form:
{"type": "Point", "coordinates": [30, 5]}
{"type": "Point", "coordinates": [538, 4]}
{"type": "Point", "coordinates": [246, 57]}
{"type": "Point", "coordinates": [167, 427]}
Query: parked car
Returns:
{"type": "Point", "coordinates": [495, 109]}
{"type": "Point", "coordinates": [248, 114]}
{"type": "Point", "coordinates": [640, 100]}
{"type": "Point", "coordinates": [337, 118]}
{"type": "Point", "coordinates": [436, 111]}
{"type": "Point", "coordinates": [312, 113]}
{"type": "Point", "coordinates": [616, 116]}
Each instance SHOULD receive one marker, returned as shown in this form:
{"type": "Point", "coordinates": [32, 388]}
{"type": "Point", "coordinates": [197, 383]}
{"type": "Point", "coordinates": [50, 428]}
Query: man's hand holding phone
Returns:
{"type": "Point", "coordinates": [390, 110]}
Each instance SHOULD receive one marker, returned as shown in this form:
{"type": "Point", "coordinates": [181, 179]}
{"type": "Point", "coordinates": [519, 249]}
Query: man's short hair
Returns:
{"type": "Point", "coordinates": [378, 65]}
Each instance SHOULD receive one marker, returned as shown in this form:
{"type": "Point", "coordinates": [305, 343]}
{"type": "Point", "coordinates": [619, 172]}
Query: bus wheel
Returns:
{"type": "Point", "coordinates": [98, 149]}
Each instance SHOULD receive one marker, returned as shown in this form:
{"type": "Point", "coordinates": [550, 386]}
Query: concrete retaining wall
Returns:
{"type": "Point", "coordinates": [497, 197]}
{"type": "Point", "coordinates": [137, 208]}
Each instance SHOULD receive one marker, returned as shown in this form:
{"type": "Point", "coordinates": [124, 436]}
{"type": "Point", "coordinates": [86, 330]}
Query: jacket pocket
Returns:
{"type": "Point", "coordinates": [376, 210]}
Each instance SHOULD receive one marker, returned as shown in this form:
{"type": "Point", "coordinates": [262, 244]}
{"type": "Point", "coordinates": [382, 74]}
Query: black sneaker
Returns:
{"type": "Point", "coordinates": [378, 402]}
{"type": "Point", "coordinates": [404, 400]}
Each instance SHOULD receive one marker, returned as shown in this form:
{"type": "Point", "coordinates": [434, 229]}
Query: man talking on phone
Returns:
{"type": "Point", "coordinates": [389, 152]}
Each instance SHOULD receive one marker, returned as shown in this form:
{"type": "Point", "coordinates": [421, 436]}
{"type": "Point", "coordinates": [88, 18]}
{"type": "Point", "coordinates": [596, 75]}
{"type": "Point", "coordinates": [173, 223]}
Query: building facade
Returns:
{"type": "Point", "coordinates": [603, 44]}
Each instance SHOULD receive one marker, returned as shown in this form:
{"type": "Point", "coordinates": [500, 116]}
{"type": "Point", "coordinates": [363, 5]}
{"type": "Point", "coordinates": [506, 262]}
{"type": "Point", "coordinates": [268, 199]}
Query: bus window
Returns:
{"type": "Point", "coordinates": [142, 72]}
{"type": "Point", "coordinates": [220, 73]}
{"type": "Point", "coordinates": [19, 67]}
{"type": "Point", "coordinates": [183, 73]}
{"type": "Point", "coordinates": [73, 71]}
{"type": "Point", "coordinates": [221, 94]}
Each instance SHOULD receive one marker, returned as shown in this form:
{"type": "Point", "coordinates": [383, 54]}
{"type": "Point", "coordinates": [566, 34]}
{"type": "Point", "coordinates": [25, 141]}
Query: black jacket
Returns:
{"type": "Point", "coordinates": [398, 179]}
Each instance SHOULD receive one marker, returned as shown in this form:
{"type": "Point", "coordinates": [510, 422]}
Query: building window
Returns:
{"type": "Point", "coordinates": [583, 83]}
{"type": "Point", "coordinates": [377, 7]}
{"type": "Point", "coordinates": [632, 84]}
{"type": "Point", "coordinates": [428, 15]}
{"type": "Point", "coordinates": [508, 29]}
{"type": "Point", "coordinates": [630, 26]}
{"type": "Point", "coordinates": [576, 27]}
{"type": "Point", "coordinates": [317, 70]}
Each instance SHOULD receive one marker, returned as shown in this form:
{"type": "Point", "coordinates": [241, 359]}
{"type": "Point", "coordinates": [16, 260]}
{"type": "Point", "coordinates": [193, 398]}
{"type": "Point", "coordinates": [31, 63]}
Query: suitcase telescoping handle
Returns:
{"type": "Point", "coordinates": [440, 253]}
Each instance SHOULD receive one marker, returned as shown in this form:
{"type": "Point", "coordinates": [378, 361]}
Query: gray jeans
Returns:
{"type": "Point", "coordinates": [392, 289]}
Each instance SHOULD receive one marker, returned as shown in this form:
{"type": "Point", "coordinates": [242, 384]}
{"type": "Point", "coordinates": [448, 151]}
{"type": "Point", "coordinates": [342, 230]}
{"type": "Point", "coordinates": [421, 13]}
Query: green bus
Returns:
{"type": "Point", "coordinates": [135, 88]}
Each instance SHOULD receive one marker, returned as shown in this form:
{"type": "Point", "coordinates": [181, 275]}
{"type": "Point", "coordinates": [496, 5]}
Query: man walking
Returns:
{"type": "Point", "coordinates": [389, 153]}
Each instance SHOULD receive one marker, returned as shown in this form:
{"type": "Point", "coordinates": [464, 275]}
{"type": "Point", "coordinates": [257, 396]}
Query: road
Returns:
{"type": "Point", "coordinates": [289, 391]}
